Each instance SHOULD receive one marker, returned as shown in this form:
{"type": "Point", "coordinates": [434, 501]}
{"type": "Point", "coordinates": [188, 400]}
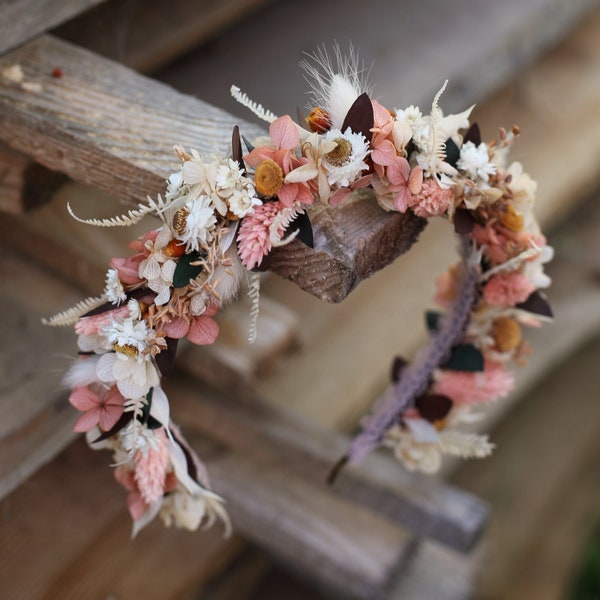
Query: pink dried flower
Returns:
{"type": "Point", "coordinates": [432, 200]}
{"type": "Point", "coordinates": [128, 268]}
{"type": "Point", "coordinates": [92, 325]}
{"type": "Point", "coordinates": [285, 137]}
{"type": "Point", "coordinates": [151, 464]}
{"type": "Point", "coordinates": [254, 239]}
{"type": "Point", "coordinates": [104, 410]}
{"type": "Point", "coordinates": [507, 289]}
{"type": "Point", "coordinates": [465, 387]}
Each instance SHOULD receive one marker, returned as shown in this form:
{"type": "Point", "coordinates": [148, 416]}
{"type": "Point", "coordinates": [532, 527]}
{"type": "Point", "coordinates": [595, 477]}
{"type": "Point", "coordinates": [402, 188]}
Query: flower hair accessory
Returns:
{"type": "Point", "coordinates": [219, 221]}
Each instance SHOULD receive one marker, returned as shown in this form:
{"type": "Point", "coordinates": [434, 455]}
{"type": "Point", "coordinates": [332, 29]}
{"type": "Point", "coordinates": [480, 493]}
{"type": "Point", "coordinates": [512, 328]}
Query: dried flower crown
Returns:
{"type": "Point", "coordinates": [222, 216]}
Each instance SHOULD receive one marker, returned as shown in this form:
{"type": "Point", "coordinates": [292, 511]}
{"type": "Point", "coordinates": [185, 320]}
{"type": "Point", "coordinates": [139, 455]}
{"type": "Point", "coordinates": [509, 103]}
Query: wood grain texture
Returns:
{"type": "Point", "coordinates": [101, 123]}
{"type": "Point", "coordinates": [21, 20]}
{"type": "Point", "coordinates": [420, 504]}
{"type": "Point", "coordinates": [355, 240]}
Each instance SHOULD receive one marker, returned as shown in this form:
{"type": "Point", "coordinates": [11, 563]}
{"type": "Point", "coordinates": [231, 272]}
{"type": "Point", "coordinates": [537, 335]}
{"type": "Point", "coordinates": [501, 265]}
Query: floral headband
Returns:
{"type": "Point", "coordinates": [220, 220]}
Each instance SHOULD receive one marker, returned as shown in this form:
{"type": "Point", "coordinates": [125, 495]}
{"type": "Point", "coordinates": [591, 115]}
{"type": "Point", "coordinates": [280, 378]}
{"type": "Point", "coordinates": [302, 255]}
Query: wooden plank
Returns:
{"type": "Point", "coordinates": [117, 135]}
{"type": "Point", "coordinates": [21, 20]}
{"type": "Point", "coordinates": [23, 183]}
{"type": "Point", "coordinates": [35, 419]}
{"type": "Point", "coordinates": [149, 35]}
{"type": "Point", "coordinates": [543, 483]}
{"type": "Point", "coordinates": [421, 504]}
{"type": "Point", "coordinates": [437, 573]}
{"type": "Point", "coordinates": [70, 522]}
{"type": "Point", "coordinates": [330, 540]}
{"type": "Point", "coordinates": [408, 55]}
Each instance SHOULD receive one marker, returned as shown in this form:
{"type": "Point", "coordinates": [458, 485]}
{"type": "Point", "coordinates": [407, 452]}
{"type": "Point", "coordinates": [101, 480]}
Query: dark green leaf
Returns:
{"type": "Point", "coordinates": [247, 144]}
{"type": "Point", "coordinates": [465, 357]}
{"type": "Point", "coordinates": [185, 271]}
{"type": "Point", "coordinates": [122, 422]}
{"type": "Point", "coordinates": [432, 320]}
{"type": "Point", "coordinates": [236, 148]}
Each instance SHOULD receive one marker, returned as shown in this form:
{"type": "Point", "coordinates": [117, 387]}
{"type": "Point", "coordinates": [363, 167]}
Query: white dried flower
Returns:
{"type": "Point", "coordinates": [475, 161]}
{"type": "Point", "coordinates": [113, 289]}
{"type": "Point", "coordinates": [346, 161]}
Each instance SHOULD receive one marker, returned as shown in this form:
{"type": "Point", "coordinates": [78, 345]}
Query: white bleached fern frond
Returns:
{"type": "Point", "coordinates": [254, 107]}
{"type": "Point", "coordinates": [254, 294]}
{"type": "Point", "coordinates": [71, 315]}
{"type": "Point", "coordinates": [128, 219]}
{"type": "Point", "coordinates": [465, 445]}
{"type": "Point", "coordinates": [281, 222]}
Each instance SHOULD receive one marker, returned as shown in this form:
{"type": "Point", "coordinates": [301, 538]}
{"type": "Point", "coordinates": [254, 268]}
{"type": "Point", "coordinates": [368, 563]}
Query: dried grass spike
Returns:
{"type": "Point", "coordinates": [127, 220]}
{"type": "Point", "coordinates": [71, 315]}
{"type": "Point", "coordinates": [254, 294]}
{"type": "Point", "coordinates": [257, 109]}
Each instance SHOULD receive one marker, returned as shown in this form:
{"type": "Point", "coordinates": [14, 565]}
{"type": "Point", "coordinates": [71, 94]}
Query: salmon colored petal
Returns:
{"type": "Point", "coordinates": [339, 196]}
{"type": "Point", "coordinates": [136, 505]}
{"type": "Point", "coordinates": [254, 158]}
{"type": "Point", "coordinates": [415, 180]}
{"type": "Point", "coordinates": [284, 133]}
{"type": "Point", "coordinates": [87, 421]}
{"type": "Point", "coordinates": [203, 331]}
{"type": "Point", "coordinates": [398, 171]}
{"type": "Point", "coordinates": [177, 328]}
{"type": "Point", "coordinates": [82, 398]}
{"type": "Point", "coordinates": [211, 310]}
{"type": "Point", "coordinates": [384, 154]}
{"type": "Point", "coordinates": [381, 115]}
{"type": "Point", "coordinates": [287, 194]}
{"type": "Point", "coordinates": [109, 415]}
{"type": "Point", "coordinates": [126, 478]}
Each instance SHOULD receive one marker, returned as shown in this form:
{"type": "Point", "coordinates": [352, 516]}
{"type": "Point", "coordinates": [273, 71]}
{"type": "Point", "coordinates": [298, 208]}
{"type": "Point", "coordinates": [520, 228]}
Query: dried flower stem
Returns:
{"type": "Point", "coordinates": [415, 378]}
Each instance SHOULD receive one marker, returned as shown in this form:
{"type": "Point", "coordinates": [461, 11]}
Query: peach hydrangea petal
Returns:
{"type": "Point", "coordinates": [203, 331]}
{"type": "Point", "coordinates": [82, 398]}
{"type": "Point", "coordinates": [177, 328]}
{"type": "Point", "coordinates": [88, 420]}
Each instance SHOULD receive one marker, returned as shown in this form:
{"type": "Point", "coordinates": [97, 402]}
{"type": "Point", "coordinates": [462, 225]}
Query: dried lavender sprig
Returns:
{"type": "Point", "coordinates": [415, 378]}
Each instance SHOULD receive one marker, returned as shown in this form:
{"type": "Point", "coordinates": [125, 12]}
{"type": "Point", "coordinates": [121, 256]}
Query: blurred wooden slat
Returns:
{"type": "Point", "coordinates": [21, 20]}
{"type": "Point", "coordinates": [420, 504]}
{"type": "Point", "coordinates": [24, 184]}
{"type": "Point", "coordinates": [35, 419]}
{"type": "Point", "coordinates": [543, 484]}
{"type": "Point", "coordinates": [145, 36]}
{"type": "Point", "coordinates": [66, 534]}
